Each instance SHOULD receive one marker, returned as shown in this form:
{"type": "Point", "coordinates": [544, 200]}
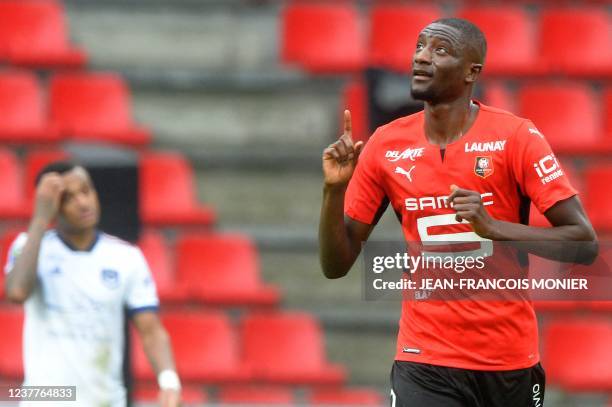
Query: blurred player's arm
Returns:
{"type": "Point", "coordinates": [156, 343]}
{"type": "Point", "coordinates": [340, 237]}
{"type": "Point", "coordinates": [21, 280]}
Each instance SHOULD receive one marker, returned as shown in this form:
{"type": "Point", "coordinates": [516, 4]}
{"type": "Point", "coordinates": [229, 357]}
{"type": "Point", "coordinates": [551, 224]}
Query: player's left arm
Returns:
{"type": "Point", "coordinates": [156, 343]}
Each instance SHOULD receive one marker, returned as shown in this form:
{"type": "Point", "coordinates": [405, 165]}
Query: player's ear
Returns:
{"type": "Point", "coordinates": [473, 73]}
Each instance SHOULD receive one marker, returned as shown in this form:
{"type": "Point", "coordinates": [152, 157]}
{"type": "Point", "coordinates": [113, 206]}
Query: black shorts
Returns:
{"type": "Point", "coordinates": [423, 385]}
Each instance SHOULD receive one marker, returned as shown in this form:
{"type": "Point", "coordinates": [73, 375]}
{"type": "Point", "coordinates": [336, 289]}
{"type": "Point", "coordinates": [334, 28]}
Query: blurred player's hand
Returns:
{"type": "Point", "coordinates": [468, 205]}
{"type": "Point", "coordinates": [169, 398]}
{"type": "Point", "coordinates": [340, 158]}
{"type": "Point", "coordinates": [48, 197]}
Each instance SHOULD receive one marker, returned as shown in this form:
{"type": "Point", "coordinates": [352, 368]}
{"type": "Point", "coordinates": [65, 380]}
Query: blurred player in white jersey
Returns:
{"type": "Point", "coordinates": [75, 283]}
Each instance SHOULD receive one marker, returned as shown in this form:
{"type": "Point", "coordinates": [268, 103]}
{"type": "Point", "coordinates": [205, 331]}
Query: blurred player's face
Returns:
{"type": "Point", "coordinates": [80, 208]}
{"type": "Point", "coordinates": [439, 65]}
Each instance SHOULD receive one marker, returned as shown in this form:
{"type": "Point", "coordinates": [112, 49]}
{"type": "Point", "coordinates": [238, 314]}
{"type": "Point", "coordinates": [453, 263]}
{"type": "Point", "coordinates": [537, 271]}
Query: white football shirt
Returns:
{"type": "Point", "coordinates": [73, 330]}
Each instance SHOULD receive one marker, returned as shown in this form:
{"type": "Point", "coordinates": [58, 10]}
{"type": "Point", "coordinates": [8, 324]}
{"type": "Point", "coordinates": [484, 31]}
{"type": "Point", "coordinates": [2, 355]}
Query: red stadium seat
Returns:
{"type": "Point", "coordinates": [288, 348]}
{"type": "Point", "coordinates": [589, 53]}
{"type": "Point", "coordinates": [322, 38]}
{"type": "Point", "coordinates": [204, 345]}
{"type": "Point", "coordinates": [498, 95]}
{"type": "Point", "coordinates": [346, 397]}
{"type": "Point", "coordinates": [24, 116]}
{"type": "Point", "coordinates": [159, 258]}
{"type": "Point", "coordinates": [598, 195]}
{"type": "Point", "coordinates": [34, 33]}
{"type": "Point", "coordinates": [355, 99]}
{"type": "Point", "coordinates": [511, 45]}
{"type": "Point", "coordinates": [167, 192]}
{"type": "Point", "coordinates": [568, 115]}
{"type": "Point", "coordinates": [608, 115]}
{"type": "Point", "coordinates": [394, 30]}
{"type": "Point", "coordinates": [12, 204]}
{"type": "Point", "coordinates": [149, 393]}
{"type": "Point", "coordinates": [223, 269]}
{"type": "Point", "coordinates": [256, 395]}
{"type": "Point", "coordinates": [577, 354]}
{"type": "Point", "coordinates": [11, 360]}
{"type": "Point", "coordinates": [95, 107]}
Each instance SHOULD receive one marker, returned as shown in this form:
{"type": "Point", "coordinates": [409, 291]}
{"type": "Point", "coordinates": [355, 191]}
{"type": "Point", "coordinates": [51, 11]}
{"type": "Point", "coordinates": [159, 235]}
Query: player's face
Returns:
{"type": "Point", "coordinates": [438, 65]}
{"type": "Point", "coordinates": [80, 208]}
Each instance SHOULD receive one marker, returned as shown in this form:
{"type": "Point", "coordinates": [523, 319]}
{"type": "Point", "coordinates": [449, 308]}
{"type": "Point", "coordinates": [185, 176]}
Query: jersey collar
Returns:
{"type": "Point", "coordinates": [74, 249]}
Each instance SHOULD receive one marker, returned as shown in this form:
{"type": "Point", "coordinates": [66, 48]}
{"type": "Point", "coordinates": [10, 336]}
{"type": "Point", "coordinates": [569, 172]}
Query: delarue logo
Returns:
{"type": "Point", "coordinates": [409, 153]}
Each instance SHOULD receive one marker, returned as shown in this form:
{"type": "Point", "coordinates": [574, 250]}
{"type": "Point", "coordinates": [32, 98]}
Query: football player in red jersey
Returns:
{"type": "Point", "coordinates": [457, 163]}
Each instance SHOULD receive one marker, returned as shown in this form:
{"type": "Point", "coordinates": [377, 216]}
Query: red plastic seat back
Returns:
{"type": "Point", "coordinates": [393, 34]}
{"type": "Point", "coordinates": [563, 49]}
{"type": "Point", "coordinates": [11, 181]}
{"type": "Point", "coordinates": [203, 344]}
{"type": "Point", "coordinates": [511, 45]}
{"type": "Point", "coordinates": [577, 354]}
{"type": "Point", "coordinates": [322, 37]}
{"type": "Point", "coordinates": [34, 25]}
{"type": "Point", "coordinates": [218, 261]}
{"type": "Point", "coordinates": [259, 395]}
{"type": "Point", "coordinates": [346, 397]}
{"type": "Point", "coordinates": [21, 102]}
{"type": "Point", "coordinates": [567, 114]}
{"type": "Point", "coordinates": [283, 342]}
{"type": "Point", "coordinates": [90, 103]}
{"type": "Point", "coordinates": [156, 253]}
{"type": "Point", "coordinates": [598, 195]}
{"type": "Point", "coordinates": [11, 359]}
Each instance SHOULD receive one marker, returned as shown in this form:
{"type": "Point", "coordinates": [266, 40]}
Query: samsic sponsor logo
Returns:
{"type": "Point", "coordinates": [438, 202]}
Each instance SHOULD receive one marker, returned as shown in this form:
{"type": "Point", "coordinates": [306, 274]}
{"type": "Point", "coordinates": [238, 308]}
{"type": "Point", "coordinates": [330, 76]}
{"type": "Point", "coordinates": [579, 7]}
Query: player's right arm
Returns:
{"type": "Point", "coordinates": [21, 279]}
{"type": "Point", "coordinates": [340, 237]}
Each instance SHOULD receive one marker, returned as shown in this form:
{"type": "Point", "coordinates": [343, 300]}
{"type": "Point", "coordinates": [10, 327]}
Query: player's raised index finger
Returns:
{"type": "Point", "coordinates": [347, 122]}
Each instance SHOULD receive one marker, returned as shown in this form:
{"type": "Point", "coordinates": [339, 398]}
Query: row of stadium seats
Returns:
{"type": "Point", "coordinates": [574, 117]}
{"type": "Point", "coordinates": [80, 106]}
{"type": "Point", "coordinates": [330, 37]}
{"type": "Point", "coordinates": [282, 348]}
{"type": "Point", "coordinates": [34, 33]}
{"type": "Point", "coordinates": [167, 187]}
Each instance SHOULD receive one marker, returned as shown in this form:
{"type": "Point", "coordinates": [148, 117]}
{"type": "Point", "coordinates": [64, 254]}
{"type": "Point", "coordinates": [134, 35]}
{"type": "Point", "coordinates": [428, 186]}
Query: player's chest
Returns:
{"type": "Point", "coordinates": [81, 282]}
{"type": "Point", "coordinates": [419, 177]}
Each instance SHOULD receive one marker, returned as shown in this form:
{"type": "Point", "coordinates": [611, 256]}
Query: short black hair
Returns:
{"type": "Point", "coordinates": [61, 167]}
{"type": "Point", "coordinates": [472, 35]}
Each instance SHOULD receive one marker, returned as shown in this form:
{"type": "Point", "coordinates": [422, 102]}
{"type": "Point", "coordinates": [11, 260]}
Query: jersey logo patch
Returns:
{"type": "Point", "coordinates": [408, 174]}
{"type": "Point", "coordinates": [110, 278]}
{"type": "Point", "coordinates": [483, 166]}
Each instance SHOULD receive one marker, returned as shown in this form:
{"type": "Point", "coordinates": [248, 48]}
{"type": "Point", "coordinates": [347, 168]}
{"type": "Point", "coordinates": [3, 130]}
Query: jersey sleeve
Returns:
{"type": "Point", "coordinates": [536, 169]}
{"type": "Point", "coordinates": [365, 199]}
{"type": "Point", "coordinates": [14, 251]}
{"type": "Point", "coordinates": [141, 294]}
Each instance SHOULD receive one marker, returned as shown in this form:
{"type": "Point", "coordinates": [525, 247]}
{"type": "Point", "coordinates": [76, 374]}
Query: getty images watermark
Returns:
{"type": "Point", "coordinates": [487, 271]}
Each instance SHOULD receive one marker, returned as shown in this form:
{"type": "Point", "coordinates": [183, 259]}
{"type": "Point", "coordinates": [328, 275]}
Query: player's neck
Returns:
{"type": "Point", "coordinates": [79, 240]}
{"type": "Point", "coordinates": [448, 122]}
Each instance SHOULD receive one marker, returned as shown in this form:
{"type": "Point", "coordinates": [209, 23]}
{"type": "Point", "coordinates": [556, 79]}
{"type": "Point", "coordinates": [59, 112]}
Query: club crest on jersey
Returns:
{"type": "Point", "coordinates": [483, 166]}
{"type": "Point", "coordinates": [409, 153]}
{"type": "Point", "coordinates": [489, 146]}
{"type": "Point", "coordinates": [110, 278]}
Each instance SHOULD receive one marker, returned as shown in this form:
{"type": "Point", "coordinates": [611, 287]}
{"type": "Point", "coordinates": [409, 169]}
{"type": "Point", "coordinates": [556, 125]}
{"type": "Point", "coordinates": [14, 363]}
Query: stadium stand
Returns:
{"type": "Point", "coordinates": [35, 34]}
{"type": "Point", "coordinates": [11, 179]}
{"type": "Point", "coordinates": [390, 26]}
{"type": "Point", "coordinates": [190, 395]}
{"type": "Point", "coordinates": [567, 114]}
{"type": "Point", "coordinates": [598, 195]}
{"type": "Point", "coordinates": [167, 191]}
{"type": "Point", "coordinates": [322, 37]}
{"type": "Point", "coordinates": [355, 99]}
{"type": "Point", "coordinates": [511, 45]}
{"type": "Point", "coordinates": [588, 54]}
{"type": "Point", "coordinates": [222, 269]}
{"type": "Point", "coordinates": [287, 348]}
{"type": "Point", "coordinates": [24, 113]}
{"type": "Point", "coordinates": [94, 107]}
